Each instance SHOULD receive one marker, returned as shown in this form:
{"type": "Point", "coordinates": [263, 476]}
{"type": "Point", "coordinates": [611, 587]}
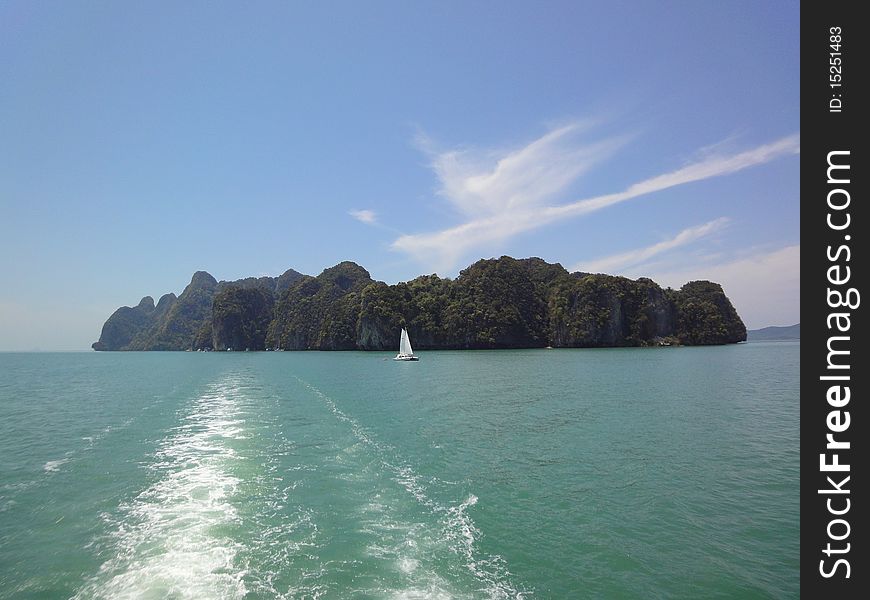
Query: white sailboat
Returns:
{"type": "Point", "coordinates": [405, 350]}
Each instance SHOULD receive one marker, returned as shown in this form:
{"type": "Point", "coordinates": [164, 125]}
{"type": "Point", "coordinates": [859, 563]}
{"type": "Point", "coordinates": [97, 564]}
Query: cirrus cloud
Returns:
{"type": "Point", "coordinates": [617, 262]}
{"type": "Point", "coordinates": [517, 191]}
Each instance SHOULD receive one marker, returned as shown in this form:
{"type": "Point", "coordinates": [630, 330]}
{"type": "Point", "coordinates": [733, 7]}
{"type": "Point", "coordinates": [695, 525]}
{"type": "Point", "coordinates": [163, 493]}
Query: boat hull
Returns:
{"type": "Point", "coordinates": [406, 358]}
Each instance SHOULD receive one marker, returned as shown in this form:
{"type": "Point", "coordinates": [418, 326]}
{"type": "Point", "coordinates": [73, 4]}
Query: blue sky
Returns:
{"type": "Point", "coordinates": [140, 142]}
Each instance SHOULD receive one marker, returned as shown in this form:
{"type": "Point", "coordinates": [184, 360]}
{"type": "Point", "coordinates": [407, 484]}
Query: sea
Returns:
{"type": "Point", "coordinates": [583, 473]}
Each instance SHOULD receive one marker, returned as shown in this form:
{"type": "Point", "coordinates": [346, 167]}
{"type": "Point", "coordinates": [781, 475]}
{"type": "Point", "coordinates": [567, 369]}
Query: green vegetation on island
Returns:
{"type": "Point", "coordinates": [494, 303]}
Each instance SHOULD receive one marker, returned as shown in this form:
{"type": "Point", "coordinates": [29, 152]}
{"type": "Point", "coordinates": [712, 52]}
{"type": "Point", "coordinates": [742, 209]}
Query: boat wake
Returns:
{"type": "Point", "coordinates": [441, 561]}
{"type": "Point", "coordinates": [235, 508]}
{"type": "Point", "coordinates": [174, 539]}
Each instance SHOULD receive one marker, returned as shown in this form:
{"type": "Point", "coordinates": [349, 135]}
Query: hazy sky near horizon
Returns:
{"type": "Point", "coordinates": [140, 142]}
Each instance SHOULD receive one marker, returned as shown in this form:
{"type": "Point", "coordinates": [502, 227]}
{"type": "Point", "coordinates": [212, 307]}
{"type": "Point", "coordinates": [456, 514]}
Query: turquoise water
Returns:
{"type": "Point", "coordinates": [620, 473]}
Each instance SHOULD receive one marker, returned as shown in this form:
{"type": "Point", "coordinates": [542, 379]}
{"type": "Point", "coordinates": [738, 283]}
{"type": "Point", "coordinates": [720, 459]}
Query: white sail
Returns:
{"type": "Point", "coordinates": [405, 344]}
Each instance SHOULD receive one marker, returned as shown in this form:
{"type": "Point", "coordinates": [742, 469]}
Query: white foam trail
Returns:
{"type": "Point", "coordinates": [430, 593]}
{"type": "Point", "coordinates": [459, 533]}
{"type": "Point", "coordinates": [173, 539]}
{"type": "Point", "coordinates": [53, 466]}
{"type": "Point", "coordinates": [460, 529]}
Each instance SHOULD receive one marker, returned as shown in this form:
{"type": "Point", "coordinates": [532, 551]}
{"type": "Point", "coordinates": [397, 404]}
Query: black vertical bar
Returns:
{"type": "Point", "coordinates": [833, 227]}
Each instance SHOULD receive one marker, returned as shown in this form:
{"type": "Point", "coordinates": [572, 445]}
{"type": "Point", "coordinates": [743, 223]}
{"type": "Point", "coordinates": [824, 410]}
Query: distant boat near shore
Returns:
{"type": "Point", "coordinates": [406, 353]}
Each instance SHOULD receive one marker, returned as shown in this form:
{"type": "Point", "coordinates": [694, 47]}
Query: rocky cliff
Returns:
{"type": "Point", "coordinates": [495, 303]}
{"type": "Point", "coordinates": [240, 318]}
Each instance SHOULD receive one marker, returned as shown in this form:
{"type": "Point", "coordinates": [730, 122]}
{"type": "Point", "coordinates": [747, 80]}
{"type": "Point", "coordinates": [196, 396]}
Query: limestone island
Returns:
{"type": "Point", "coordinates": [494, 303]}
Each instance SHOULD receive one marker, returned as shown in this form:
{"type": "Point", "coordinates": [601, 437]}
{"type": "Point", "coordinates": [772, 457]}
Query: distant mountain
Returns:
{"type": "Point", "coordinates": [494, 303]}
{"type": "Point", "coordinates": [771, 334]}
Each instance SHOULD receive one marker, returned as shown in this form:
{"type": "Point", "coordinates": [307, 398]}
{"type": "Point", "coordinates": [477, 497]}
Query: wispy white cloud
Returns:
{"type": "Point", "coordinates": [617, 262]}
{"type": "Point", "coordinates": [764, 286]}
{"type": "Point", "coordinates": [515, 195]}
{"type": "Point", "coordinates": [365, 216]}
{"type": "Point", "coordinates": [483, 184]}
